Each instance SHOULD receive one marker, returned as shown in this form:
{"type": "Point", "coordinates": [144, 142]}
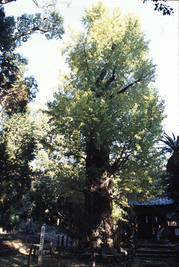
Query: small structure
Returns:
{"type": "Point", "coordinates": [29, 225]}
{"type": "Point", "coordinates": [156, 219]}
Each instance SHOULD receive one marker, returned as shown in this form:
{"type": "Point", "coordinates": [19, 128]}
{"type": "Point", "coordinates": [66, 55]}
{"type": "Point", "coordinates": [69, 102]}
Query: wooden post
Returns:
{"type": "Point", "coordinates": [94, 259]}
{"type": "Point", "coordinates": [59, 254]}
{"type": "Point", "coordinates": [66, 241]}
{"type": "Point", "coordinates": [30, 256]}
{"type": "Point", "coordinates": [34, 251]}
{"type": "Point", "coordinates": [42, 235]}
{"type": "Point", "coordinates": [51, 247]}
{"type": "Point", "coordinates": [62, 242]}
{"type": "Point", "coordinates": [58, 243]}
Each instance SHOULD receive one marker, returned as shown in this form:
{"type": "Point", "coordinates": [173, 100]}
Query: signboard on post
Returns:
{"type": "Point", "coordinates": [42, 235]}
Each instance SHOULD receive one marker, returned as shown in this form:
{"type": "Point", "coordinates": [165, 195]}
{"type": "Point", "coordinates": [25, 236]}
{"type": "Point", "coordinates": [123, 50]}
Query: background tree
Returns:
{"type": "Point", "coordinates": [17, 150]}
{"type": "Point", "coordinates": [167, 10]}
{"type": "Point", "coordinates": [15, 89]}
{"type": "Point", "coordinates": [17, 143]}
{"type": "Point", "coordinates": [162, 7]}
{"type": "Point", "coordinates": [171, 178]}
{"type": "Point", "coordinates": [45, 190]}
{"type": "Point", "coordinates": [109, 116]}
{"type": "Point", "coordinates": [50, 199]}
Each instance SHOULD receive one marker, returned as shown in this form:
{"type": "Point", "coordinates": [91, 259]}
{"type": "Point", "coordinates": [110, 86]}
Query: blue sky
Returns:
{"type": "Point", "coordinates": [45, 56]}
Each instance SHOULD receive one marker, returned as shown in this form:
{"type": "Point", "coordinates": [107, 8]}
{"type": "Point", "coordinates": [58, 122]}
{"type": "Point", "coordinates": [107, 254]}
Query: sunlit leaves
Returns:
{"type": "Point", "coordinates": [108, 101]}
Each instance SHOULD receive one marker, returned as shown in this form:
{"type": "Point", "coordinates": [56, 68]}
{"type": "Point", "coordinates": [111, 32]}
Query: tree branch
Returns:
{"type": "Point", "coordinates": [77, 189]}
{"type": "Point", "coordinates": [104, 71]}
{"type": "Point", "coordinates": [101, 76]}
{"type": "Point", "coordinates": [3, 2]}
{"type": "Point", "coordinates": [45, 6]}
{"type": "Point", "coordinates": [52, 4]}
{"type": "Point", "coordinates": [37, 28]}
{"type": "Point", "coordinates": [86, 61]}
{"type": "Point", "coordinates": [70, 153]}
{"type": "Point", "coordinates": [130, 85]}
{"type": "Point", "coordinates": [111, 79]}
{"type": "Point", "coordinates": [115, 164]}
{"type": "Point", "coordinates": [119, 163]}
{"type": "Point", "coordinates": [125, 88]}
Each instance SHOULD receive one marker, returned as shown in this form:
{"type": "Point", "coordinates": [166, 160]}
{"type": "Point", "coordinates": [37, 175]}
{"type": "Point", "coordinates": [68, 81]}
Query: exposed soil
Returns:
{"type": "Point", "coordinates": [15, 248]}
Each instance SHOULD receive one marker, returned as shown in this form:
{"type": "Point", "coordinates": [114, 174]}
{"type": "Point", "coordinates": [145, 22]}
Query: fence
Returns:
{"type": "Point", "coordinates": [62, 242]}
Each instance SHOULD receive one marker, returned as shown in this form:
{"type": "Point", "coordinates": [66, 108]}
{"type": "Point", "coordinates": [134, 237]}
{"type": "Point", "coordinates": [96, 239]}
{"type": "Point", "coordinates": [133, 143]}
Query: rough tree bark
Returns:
{"type": "Point", "coordinates": [98, 201]}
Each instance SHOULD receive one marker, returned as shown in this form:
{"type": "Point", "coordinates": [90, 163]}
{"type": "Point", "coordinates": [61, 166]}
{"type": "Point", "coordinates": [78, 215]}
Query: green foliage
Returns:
{"type": "Point", "coordinates": [17, 150]}
{"type": "Point", "coordinates": [17, 144]}
{"type": "Point", "coordinates": [103, 124]}
{"type": "Point", "coordinates": [107, 106]}
{"type": "Point", "coordinates": [171, 143]}
{"type": "Point", "coordinates": [48, 198]}
{"type": "Point", "coordinates": [13, 32]}
{"type": "Point", "coordinates": [7, 27]}
{"type": "Point", "coordinates": [44, 198]}
{"type": "Point", "coordinates": [15, 89]}
{"type": "Point", "coordinates": [171, 176]}
{"type": "Point", "coordinates": [27, 24]}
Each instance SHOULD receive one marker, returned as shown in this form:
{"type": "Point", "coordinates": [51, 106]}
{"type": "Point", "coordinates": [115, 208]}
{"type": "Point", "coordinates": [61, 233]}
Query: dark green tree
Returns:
{"type": "Point", "coordinates": [15, 89]}
{"type": "Point", "coordinates": [7, 27]}
{"type": "Point", "coordinates": [171, 178]}
{"type": "Point", "coordinates": [161, 6]}
{"type": "Point", "coordinates": [17, 142]}
{"type": "Point", "coordinates": [17, 146]}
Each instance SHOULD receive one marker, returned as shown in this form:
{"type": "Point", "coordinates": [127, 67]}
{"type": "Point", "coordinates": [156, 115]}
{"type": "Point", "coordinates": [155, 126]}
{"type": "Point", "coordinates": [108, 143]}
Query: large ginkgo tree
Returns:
{"type": "Point", "coordinates": [109, 116]}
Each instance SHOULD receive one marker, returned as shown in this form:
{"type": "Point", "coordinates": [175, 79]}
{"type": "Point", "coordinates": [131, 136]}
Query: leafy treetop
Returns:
{"type": "Point", "coordinates": [106, 109]}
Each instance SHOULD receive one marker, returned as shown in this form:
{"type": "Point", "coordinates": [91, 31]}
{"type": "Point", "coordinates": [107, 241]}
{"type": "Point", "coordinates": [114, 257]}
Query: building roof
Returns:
{"type": "Point", "coordinates": [159, 201]}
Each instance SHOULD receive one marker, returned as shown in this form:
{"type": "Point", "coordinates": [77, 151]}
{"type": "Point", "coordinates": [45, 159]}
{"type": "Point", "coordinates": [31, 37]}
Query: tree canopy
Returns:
{"type": "Point", "coordinates": [167, 10]}
{"type": "Point", "coordinates": [172, 168]}
{"type": "Point", "coordinates": [96, 149]}
{"type": "Point", "coordinates": [17, 142]}
{"type": "Point", "coordinates": [15, 89]}
{"type": "Point", "coordinates": [162, 7]}
{"type": "Point", "coordinates": [17, 150]}
{"type": "Point", "coordinates": [109, 115]}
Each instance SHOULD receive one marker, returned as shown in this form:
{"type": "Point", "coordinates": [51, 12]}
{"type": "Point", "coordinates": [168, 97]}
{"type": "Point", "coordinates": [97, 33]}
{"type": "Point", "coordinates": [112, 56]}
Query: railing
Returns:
{"type": "Point", "coordinates": [62, 242]}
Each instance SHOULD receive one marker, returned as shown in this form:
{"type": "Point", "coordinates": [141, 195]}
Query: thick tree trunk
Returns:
{"type": "Point", "coordinates": [98, 204]}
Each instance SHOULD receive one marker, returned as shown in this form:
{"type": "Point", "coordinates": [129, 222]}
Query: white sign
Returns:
{"type": "Point", "coordinates": [42, 235]}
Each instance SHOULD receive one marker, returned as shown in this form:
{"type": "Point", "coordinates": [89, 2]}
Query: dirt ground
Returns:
{"type": "Point", "coordinates": [15, 248]}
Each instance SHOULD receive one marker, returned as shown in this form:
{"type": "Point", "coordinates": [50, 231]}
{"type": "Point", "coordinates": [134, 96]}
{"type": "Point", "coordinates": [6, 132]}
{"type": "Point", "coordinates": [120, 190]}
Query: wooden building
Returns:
{"type": "Point", "coordinates": [156, 220]}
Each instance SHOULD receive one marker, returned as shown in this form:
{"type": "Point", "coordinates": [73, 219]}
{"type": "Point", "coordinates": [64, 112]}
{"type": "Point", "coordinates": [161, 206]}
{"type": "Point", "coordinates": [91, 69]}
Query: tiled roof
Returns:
{"type": "Point", "coordinates": [158, 201]}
